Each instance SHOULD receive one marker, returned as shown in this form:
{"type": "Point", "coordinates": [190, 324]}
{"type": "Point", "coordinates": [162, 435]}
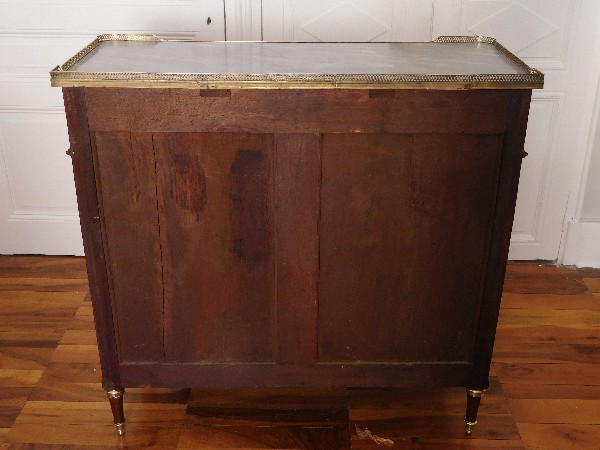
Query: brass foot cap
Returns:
{"type": "Point", "coordinates": [469, 426]}
{"type": "Point", "coordinates": [120, 428]}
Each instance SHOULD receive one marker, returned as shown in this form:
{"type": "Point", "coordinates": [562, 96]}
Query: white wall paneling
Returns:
{"type": "Point", "coordinates": [38, 210]}
{"type": "Point", "coordinates": [347, 20]}
{"type": "Point", "coordinates": [536, 30]}
{"type": "Point", "coordinates": [105, 16]}
{"type": "Point", "coordinates": [590, 201]}
{"type": "Point", "coordinates": [243, 20]}
{"type": "Point", "coordinates": [544, 34]}
{"type": "Point", "coordinates": [582, 244]}
{"type": "Point", "coordinates": [534, 189]}
{"type": "Point", "coordinates": [38, 207]}
{"type": "Point", "coordinates": [582, 236]}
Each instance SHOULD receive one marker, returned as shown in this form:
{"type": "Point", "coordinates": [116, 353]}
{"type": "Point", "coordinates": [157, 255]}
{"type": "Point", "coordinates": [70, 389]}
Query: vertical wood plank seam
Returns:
{"type": "Point", "coordinates": [160, 247]}
{"type": "Point", "coordinates": [318, 277]}
{"type": "Point", "coordinates": [105, 249]}
{"type": "Point", "coordinates": [276, 340]}
{"type": "Point", "coordinates": [102, 227]}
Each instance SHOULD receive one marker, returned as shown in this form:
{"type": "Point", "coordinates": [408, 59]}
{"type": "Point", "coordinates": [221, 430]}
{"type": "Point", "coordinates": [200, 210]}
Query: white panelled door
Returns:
{"type": "Point", "coordinates": [38, 209]}
{"type": "Point", "coordinates": [540, 32]}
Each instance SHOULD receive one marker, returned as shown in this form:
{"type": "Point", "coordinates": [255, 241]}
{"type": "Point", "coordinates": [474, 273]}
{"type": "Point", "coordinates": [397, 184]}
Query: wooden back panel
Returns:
{"type": "Point", "coordinates": [307, 228]}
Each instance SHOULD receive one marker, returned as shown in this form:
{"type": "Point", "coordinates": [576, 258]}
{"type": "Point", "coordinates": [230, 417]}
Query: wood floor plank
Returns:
{"type": "Point", "coordinates": [19, 377]}
{"type": "Point", "coordinates": [544, 374]}
{"type": "Point", "coordinates": [23, 330]}
{"type": "Point", "coordinates": [39, 446]}
{"type": "Point", "coordinates": [44, 284]}
{"type": "Point", "coordinates": [14, 396]}
{"type": "Point", "coordinates": [560, 437]}
{"type": "Point", "coordinates": [79, 353]}
{"type": "Point", "coordinates": [79, 337]}
{"type": "Point", "coordinates": [365, 443]}
{"type": "Point", "coordinates": [42, 266]}
{"type": "Point", "coordinates": [578, 302]}
{"type": "Point", "coordinates": [550, 317]}
{"type": "Point", "coordinates": [367, 404]}
{"type": "Point", "coordinates": [70, 391]}
{"type": "Point", "coordinates": [441, 425]}
{"type": "Point", "coordinates": [558, 411]}
{"type": "Point", "coordinates": [314, 438]}
{"type": "Point", "coordinates": [57, 372]}
{"type": "Point", "coordinates": [25, 357]}
{"type": "Point", "coordinates": [85, 309]}
{"type": "Point", "coordinates": [82, 323]}
{"type": "Point", "coordinates": [48, 304]}
{"type": "Point", "coordinates": [593, 284]}
{"type": "Point", "coordinates": [588, 272]}
{"type": "Point", "coordinates": [267, 416]}
{"type": "Point", "coordinates": [535, 278]}
{"type": "Point", "coordinates": [556, 391]}
{"type": "Point", "coordinates": [96, 434]}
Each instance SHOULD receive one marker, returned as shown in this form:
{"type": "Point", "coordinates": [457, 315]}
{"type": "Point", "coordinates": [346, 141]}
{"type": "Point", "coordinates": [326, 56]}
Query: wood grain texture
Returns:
{"type": "Point", "coordinates": [495, 263]}
{"type": "Point", "coordinates": [68, 409]}
{"type": "Point", "coordinates": [216, 225]}
{"type": "Point", "coordinates": [270, 374]}
{"type": "Point", "coordinates": [297, 111]}
{"type": "Point", "coordinates": [535, 278]}
{"type": "Point", "coordinates": [297, 199]}
{"type": "Point", "coordinates": [127, 185]}
{"type": "Point", "coordinates": [89, 214]}
{"type": "Point", "coordinates": [273, 214]}
{"type": "Point", "coordinates": [33, 267]}
{"type": "Point", "coordinates": [386, 212]}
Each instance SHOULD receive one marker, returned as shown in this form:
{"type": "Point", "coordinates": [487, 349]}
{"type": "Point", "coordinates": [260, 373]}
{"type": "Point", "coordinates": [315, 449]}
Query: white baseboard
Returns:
{"type": "Point", "coordinates": [582, 245]}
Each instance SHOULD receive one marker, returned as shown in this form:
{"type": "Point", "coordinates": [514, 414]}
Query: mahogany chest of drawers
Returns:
{"type": "Point", "coordinates": [268, 214]}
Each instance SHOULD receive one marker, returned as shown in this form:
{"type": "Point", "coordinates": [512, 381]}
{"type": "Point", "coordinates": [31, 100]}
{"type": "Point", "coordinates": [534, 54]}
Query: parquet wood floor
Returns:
{"type": "Point", "coordinates": [545, 391]}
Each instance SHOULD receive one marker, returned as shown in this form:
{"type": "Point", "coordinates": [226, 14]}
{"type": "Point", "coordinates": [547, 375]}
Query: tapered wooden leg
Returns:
{"type": "Point", "coordinates": [116, 405]}
{"type": "Point", "coordinates": [473, 400]}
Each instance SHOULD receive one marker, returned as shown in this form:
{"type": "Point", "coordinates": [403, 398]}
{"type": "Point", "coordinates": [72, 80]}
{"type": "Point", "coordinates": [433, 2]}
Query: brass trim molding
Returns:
{"type": "Point", "coordinates": [475, 392]}
{"type": "Point", "coordinates": [92, 45]}
{"type": "Point", "coordinates": [62, 76]}
{"type": "Point", "coordinates": [115, 393]}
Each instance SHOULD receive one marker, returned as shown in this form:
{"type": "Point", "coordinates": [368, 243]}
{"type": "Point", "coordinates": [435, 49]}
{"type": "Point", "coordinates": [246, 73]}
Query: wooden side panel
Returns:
{"type": "Point", "coordinates": [87, 200]}
{"type": "Point", "coordinates": [504, 211]}
{"type": "Point", "coordinates": [216, 224]}
{"type": "Point", "coordinates": [405, 221]}
{"type": "Point", "coordinates": [298, 171]}
{"type": "Point", "coordinates": [125, 163]}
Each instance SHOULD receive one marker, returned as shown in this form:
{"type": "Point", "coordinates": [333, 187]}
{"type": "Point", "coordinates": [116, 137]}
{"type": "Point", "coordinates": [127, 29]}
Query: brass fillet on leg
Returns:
{"type": "Point", "coordinates": [115, 397]}
{"type": "Point", "coordinates": [475, 393]}
{"type": "Point", "coordinates": [473, 400]}
{"type": "Point", "coordinates": [115, 394]}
